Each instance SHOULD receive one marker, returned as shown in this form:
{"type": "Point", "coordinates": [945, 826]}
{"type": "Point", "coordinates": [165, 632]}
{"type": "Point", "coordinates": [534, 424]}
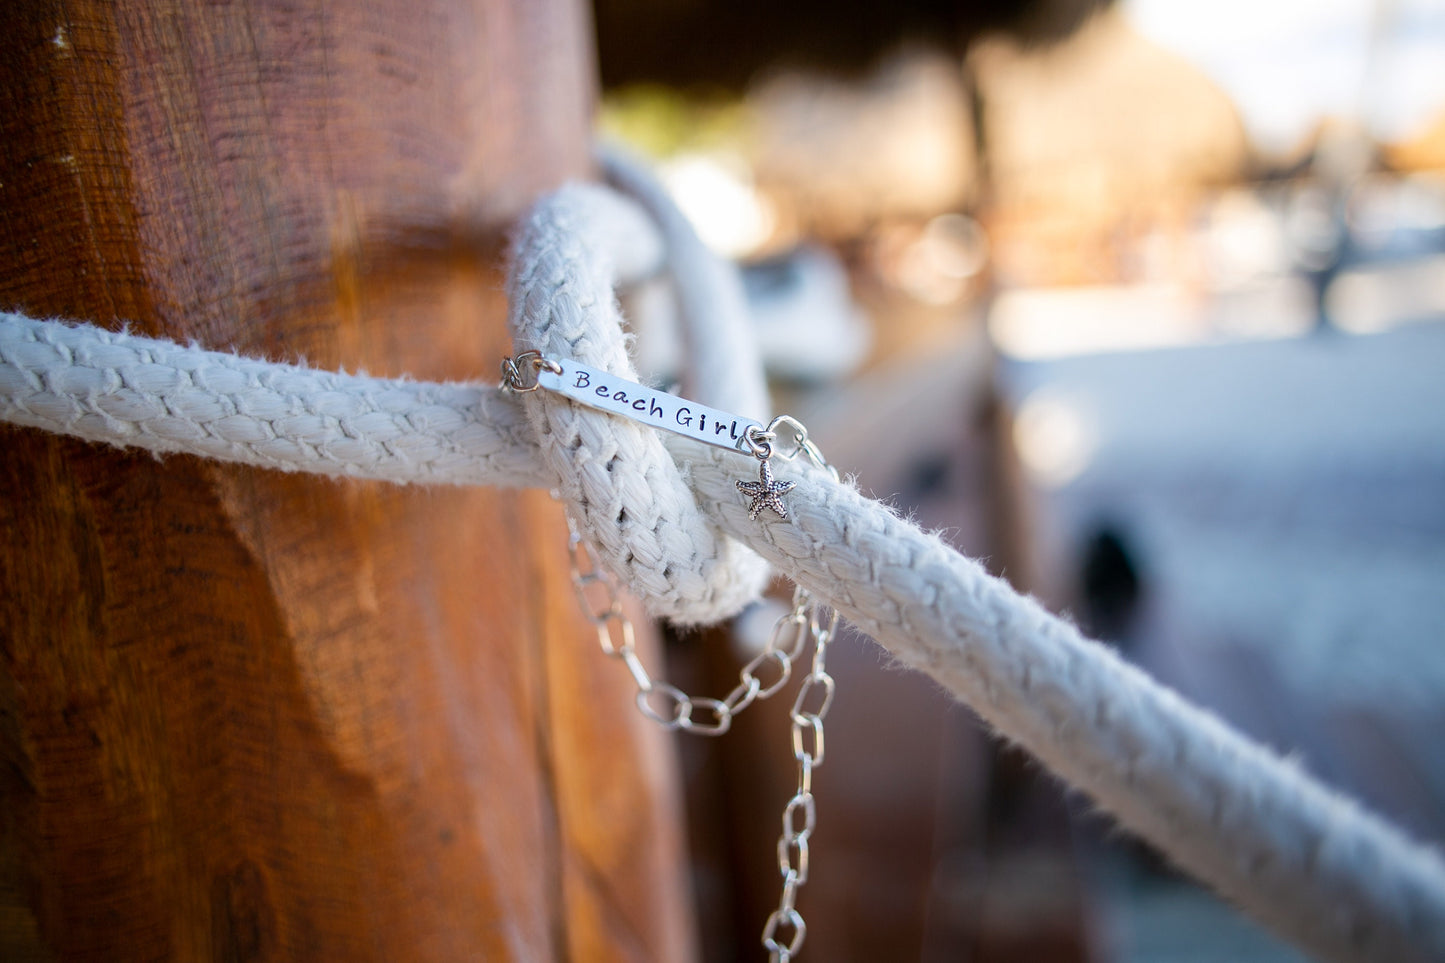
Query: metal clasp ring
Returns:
{"type": "Point", "coordinates": [800, 436]}
{"type": "Point", "coordinates": [531, 362]}
{"type": "Point", "coordinates": [802, 444]}
{"type": "Point", "coordinates": [759, 441]}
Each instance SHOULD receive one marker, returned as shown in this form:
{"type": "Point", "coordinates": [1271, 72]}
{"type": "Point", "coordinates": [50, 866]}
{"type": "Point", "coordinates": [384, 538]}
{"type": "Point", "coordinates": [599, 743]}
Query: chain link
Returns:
{"type": "Point", "coordinates": [519, 374]}
{"type": "Point", "coordinates": [763, 676]}
{"type": "Point", "coordinates": [810, 707]}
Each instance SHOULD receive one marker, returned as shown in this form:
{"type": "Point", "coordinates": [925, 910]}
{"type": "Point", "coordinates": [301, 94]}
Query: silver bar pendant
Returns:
{"type": "Point", "coordinates": [656, 409]}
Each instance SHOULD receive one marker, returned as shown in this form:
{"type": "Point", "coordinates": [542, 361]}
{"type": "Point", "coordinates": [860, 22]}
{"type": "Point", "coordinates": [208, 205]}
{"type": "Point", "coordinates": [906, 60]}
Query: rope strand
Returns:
{"type": "Point", "coordinates": [131, 391]}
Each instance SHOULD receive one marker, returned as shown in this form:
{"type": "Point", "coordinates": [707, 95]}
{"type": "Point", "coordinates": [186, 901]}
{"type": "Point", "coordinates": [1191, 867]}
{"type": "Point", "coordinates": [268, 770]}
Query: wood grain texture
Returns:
{"type": "Point", "coordinates": [248, 716]}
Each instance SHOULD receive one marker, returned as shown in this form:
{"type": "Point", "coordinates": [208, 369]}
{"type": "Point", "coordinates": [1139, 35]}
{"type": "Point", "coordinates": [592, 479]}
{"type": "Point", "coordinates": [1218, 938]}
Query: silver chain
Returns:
{"type": "Point", "coordinates": [764, 675]}
{"type": "Point", "coordinates": [810, 706]}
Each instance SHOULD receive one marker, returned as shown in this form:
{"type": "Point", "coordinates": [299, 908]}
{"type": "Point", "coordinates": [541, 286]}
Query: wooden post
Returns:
{"type": "Point", "coordinates": [246, 715]}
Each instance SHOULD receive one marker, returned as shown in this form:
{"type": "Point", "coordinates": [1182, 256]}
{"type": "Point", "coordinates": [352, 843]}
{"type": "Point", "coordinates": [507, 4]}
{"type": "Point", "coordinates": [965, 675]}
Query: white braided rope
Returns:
{"type": "Point", "coordinates": [127, 390]}
{"type": "Point", "coordinates": [622, 488]}
{"type": "Point", "coordinates": [1301, 858]}
{"type": "Point", "coordinates": [1334, 879]}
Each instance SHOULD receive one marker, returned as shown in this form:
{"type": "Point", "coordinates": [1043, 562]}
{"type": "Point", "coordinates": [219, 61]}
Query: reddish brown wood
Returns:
{"type": "Point", "coordinates": [253, 716]}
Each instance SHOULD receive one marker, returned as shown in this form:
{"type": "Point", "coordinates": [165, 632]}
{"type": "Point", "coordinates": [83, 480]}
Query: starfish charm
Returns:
{"type": "Point", "coordinates": [765, 492]}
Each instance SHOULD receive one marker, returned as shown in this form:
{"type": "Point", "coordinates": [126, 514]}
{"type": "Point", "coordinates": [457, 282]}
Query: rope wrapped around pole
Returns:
{"type": "Point", "coordinates": [1311, 864]}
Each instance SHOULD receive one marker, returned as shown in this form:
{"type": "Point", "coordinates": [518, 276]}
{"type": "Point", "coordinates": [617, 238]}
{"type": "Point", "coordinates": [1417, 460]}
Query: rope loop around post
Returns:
{"type": "Point", "coordinates": [1306, 861]}
{"type": "Point", "coordinates": [622, 487]}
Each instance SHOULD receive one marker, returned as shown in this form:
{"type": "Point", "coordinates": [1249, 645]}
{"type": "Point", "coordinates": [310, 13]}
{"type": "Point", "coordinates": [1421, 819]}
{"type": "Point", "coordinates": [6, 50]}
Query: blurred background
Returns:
{"type": "Point", "coordinates": [1142, 303]}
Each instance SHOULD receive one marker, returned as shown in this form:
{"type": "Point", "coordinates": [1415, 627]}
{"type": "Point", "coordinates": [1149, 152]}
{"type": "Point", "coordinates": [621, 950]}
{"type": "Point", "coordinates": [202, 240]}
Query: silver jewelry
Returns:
{"type": "Point", "coordinates": [765, 492]}
{"type": "Point", "coordinates": [618, 396]}
{"type": "Point", "coordinates": [769, 670]}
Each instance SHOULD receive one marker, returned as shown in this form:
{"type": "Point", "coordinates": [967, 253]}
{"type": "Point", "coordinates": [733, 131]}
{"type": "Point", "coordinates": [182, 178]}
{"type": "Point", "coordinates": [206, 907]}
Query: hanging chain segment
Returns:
{"type": "Point", "coordinates": [800, 815]}
{"type": "Point", "coordinates": [763, 676]}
